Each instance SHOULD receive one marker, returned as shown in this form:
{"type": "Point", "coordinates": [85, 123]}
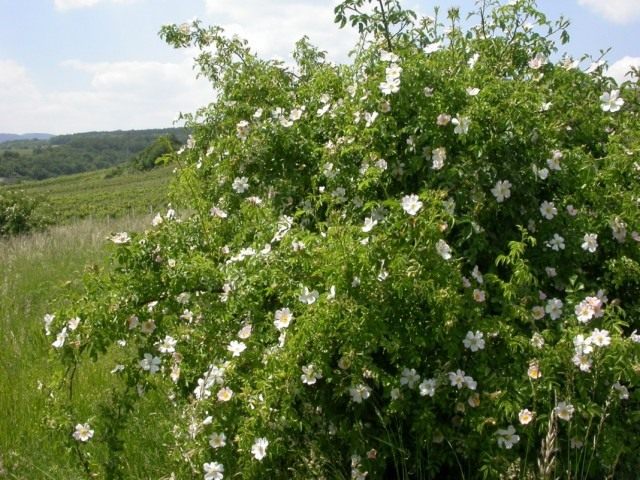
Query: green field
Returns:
{"type": "Point", "coordinates": [36, 270]}
{"type": "Point", "coordinates": [99, 194]}
{"type": "Point", "coordinates": [39, 268]}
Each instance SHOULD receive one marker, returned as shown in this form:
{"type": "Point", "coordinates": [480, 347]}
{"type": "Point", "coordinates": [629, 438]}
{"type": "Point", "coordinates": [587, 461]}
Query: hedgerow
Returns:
{"type": "Point", "coordinates": [422, 264]}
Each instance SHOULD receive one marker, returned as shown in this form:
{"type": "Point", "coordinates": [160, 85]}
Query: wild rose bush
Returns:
{"type": "Point", "coordinates": [18, 213]}
{"type": "Point", "coordinates": [423, 264]}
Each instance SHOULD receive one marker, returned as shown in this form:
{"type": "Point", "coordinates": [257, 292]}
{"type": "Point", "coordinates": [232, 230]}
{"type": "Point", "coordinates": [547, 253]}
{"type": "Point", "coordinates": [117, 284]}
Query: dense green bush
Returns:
{"type": "Point", "coordinates": [18, 213]}
{"type": "Point", "coordinates": [423, 264]}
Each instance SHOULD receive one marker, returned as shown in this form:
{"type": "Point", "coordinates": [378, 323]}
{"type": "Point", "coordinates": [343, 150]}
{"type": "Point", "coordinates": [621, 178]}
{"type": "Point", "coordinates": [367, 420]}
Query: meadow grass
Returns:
{"type": "Point", "coordinates": [36, 269]}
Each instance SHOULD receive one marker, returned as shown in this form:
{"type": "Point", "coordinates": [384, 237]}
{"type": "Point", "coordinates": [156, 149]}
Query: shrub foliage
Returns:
{"type": "Point", "coordinates": [423, 264]}
{"type": "Point", "coordinates": [18, 213]}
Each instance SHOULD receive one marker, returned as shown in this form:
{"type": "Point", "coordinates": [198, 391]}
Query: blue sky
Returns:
{"type": "Point", "coordinates": [80, 65]}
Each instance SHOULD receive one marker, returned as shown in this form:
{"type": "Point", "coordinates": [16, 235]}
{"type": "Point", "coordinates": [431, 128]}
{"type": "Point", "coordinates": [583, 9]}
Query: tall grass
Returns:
{"type": "Point", "coordinates": [34, 270]}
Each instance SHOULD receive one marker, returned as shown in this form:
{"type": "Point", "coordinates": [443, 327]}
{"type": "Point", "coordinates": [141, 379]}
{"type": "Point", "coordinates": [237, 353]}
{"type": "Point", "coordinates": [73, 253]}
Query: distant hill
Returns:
{"type": "Point", "coordinates": [7, 137]}
{"type": "Point", "coordinates": [38, 159]}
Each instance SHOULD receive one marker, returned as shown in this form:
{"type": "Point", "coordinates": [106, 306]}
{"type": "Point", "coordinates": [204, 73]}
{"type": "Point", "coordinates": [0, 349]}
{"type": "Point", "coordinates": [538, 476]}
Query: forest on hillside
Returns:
{"type": "Point", "coordinates": [80, 152]}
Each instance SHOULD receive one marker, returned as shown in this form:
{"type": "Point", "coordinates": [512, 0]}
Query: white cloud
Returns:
{"type": "Point", "coordinates": [71, 4]}
{"type": "Point", "coordinates": [120, 95]}
{"type": "Point", "coordinates": [617, 11]}
{"type": "Point", "coordinates": [273, 26]}
{"type": "Point", "coordinates": [620, 68]}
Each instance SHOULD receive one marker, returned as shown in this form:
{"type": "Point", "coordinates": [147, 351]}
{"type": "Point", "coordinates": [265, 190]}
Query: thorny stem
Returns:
{"type": "Point", "coordinates": [385, 22]}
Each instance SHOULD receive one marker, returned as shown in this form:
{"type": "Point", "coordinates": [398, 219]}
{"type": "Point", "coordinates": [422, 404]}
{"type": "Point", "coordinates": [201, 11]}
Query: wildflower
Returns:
{"type": "Point", "coordinates": [388, 56]}
{"type": "Point", "coordinates": [283, 318]}
{"type": "Point", "coordinates": [590, 243]}
{"type": "Point", "coordinates": [217, 440]}
{"type": "Point", "coordinates": [554, 308]}
{"type": "Point", "coordinates": [296, 114]}
{"type": "Point", "coordinates": [245, 332]}
{"type": "Point", "coordinates": [537, 340]}
{"type": "Point", "coordinates": [409, 377]}
{"type": "Point", "coordinates": [537, 62]}
{"type": "Point", "coordinates": [507, 438]}
{"type": "Point", "coordinates": [589, 308]}
{"type": "Point", "coordinates": [556, 243]}
{"type": "Point", "coordinates": [554, 161]}
{"type": "Point", "coordinates": [443, 249]}
{"type": "Point", "coordinates": [381, 163]}
{"type": "Point", "coordinates": [611, 101]}
{"type": "Point", "coordinates": [391, 85]}
{"type": "Point", "coordinates": [310, 374]}
{"type": "Point", "coordinates": [571, 210]}
{"type": "Point", "coordinates": [548, 210]}
{"type": "Point", "coordinates": [242, 130]}
{"type": "Point", "coordinates": [462, 125]}
{"type": "Point", "coordinates": [332, 293]}
{"type": "Point", "coordinates": [478, 295]}
{"type": "Point", "coordinates": [623, 392]}
{"type": "Point", "coordinates": [427, 387]}
{"type": "Point", "coordinates": [525, 416]}
{"type": "Point", "coordinates": [537, 312]}
{"type": "Point", "coordinates": [118, 368]}
{"type": "Point", "coordinates": [501, 190]}
{"type": "Point", "coordinates": [259, 448]}
{"type": "Point", "coordinates": [443, 119]}
{"type": "Point", "coordinates": [48, 320]}
{"type": "Point", "coordinates": [240, 184]}
{"type": "Point", "coordinates": [309, 297]}
{"type": "Point", "coordinates": [411, 204]}
{"type": "Point", "coordinates": [474, 341]}
{"type": "Point", "coordinates": [533, 371]}
{"type": "Point", "coordinates": [167, 345]}
{"type": "Point", "coordinates": [73, 323]}
{"type": "Point", "coordinates": [542, 173]}
{"type": "Point", "coordinates": [236, 348]}
{"type": "Point", "coordinates": [359, 393]}
{"type": "Point", "coordinates": [433, 47]}
{"type": "Point", "coordinates": [618, 229]}
{"type": "Point", "coordinates": [582, 345]}
{"type": "Point", "coordinates": [369, 118]}
{"type": "Point", "coordinates": [582, 361]}
{"type": "Point", "coordinates": [564, 411]}
{"type": "Point", "coordinates": [395, 393]}
{"type": "Point", "coordinates": [83, 432]}
{"type": "Point", "coordinates": [600, 338]}
{"type": "Point", "coordinates": [438, 156]}
{"type": "Point", "coordinates": [550, 271]}
{"type": "Point", "coordinates": [472, 91]}
{"type": "Point", "coordinates": [393, 71]}
{"type": "Point", "coordinates": [217, 212]}
{"type": "Point", "coordinates": [225, 394]}
{"type": "Point", "coordinates": [213, 471]}
{"type": "Point", "coordinates": [60, 338]}
{"type": "Point", "coordinates": [369, 223]}
{"type": "Point", "coordinates": [120, 238]}
{"type": "Point", "coordinates": [459, 379]}
{"type": "Point", "coordinates": [150, 363]}
{"type": "Point", "coordinates": [634, 336]}
{"type": "Point", "coordinates": [148, 327]}
{"type": "Point", "coordinates": [474, 400]}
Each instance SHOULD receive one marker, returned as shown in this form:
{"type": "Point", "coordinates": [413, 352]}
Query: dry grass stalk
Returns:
{"type": "Point", "coordinates": [547, 458]}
